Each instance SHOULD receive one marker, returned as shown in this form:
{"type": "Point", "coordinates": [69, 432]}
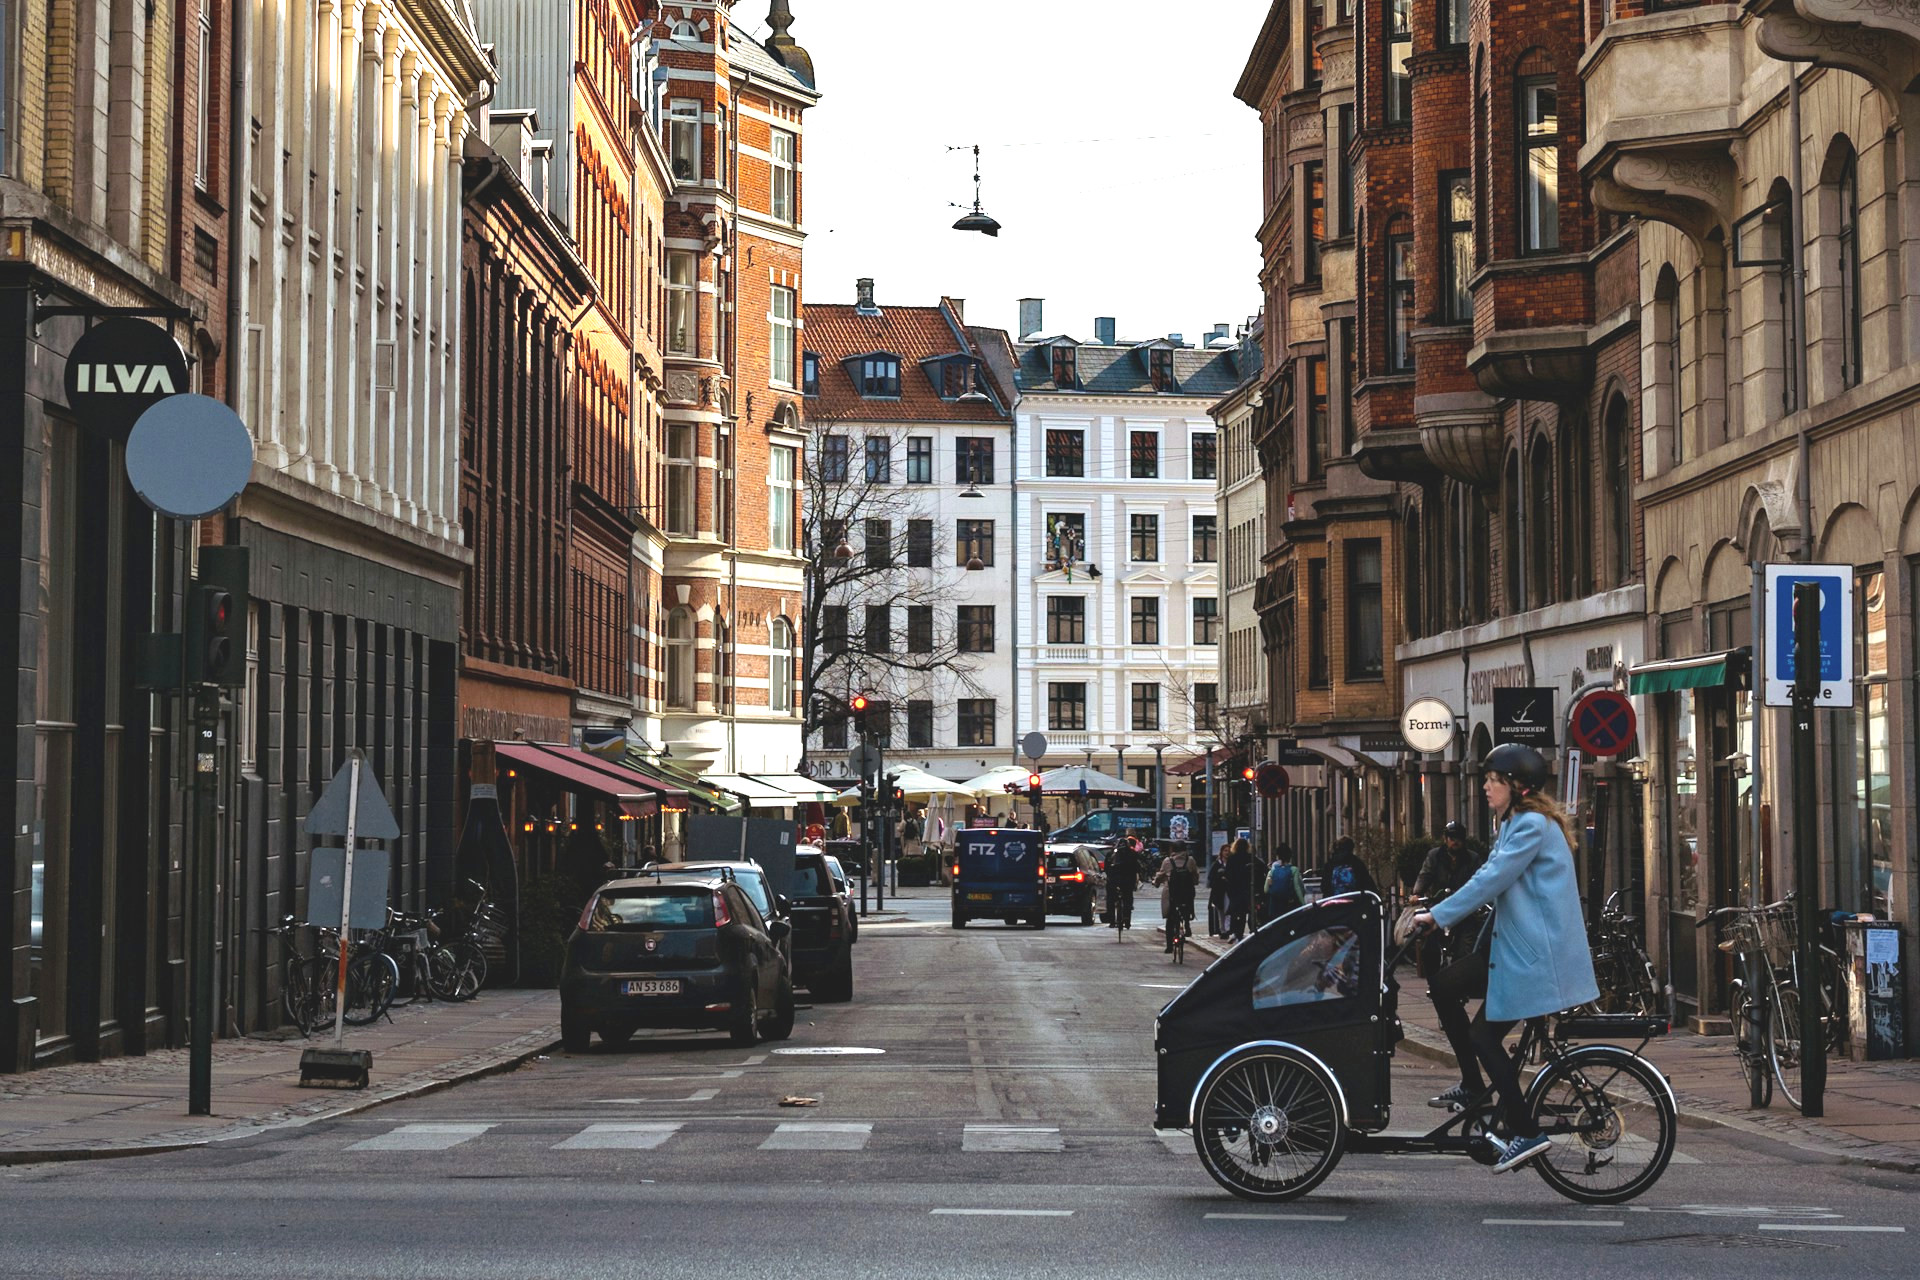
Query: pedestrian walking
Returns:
{"type": "Point", "coordinates": [1237, 871]}
{"type": "Point", "coordinates": [1284, 890]}
{"type": "Point", "coordinates": [1217, 894]}
{"type": "Point", "coordinates": [1346, 873]}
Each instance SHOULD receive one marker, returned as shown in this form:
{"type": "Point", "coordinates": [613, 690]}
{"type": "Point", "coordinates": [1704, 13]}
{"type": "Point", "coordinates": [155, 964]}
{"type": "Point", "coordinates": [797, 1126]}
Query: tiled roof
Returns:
{"type": "Point", "coordinates": [835, 331]}
{"type": "Point", "coordinates": [1122, 370]}
{"type": "Point", "coordinates": [748, 54]}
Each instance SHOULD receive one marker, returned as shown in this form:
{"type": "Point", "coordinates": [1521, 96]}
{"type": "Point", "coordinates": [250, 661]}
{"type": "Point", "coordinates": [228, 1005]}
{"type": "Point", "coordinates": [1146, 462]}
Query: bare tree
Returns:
{"type": "Point", "coordinates": [879, 616]}
{"type": "Point", "coordinates": [1217, 727]}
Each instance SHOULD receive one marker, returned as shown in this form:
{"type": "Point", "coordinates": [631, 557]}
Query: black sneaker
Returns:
{"type": "Point", "coordinates": [1458, 1098]}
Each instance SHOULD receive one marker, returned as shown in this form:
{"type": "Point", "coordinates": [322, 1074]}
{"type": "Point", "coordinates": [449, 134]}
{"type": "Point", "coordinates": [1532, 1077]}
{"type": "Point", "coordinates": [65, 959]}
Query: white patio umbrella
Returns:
{"type": "Point", "coordinates": [1067, 780]}
{"type": "Point", "coordinates": [993, 783]}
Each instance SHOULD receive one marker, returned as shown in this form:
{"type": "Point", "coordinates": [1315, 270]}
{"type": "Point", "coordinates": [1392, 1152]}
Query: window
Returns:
{"type": "Point", "coordinates": [973, 460]}
{"type": "Point", "coordinates": [1206, 705]}
{"type": "Point", "coordinates": [1400, 304]}
{"type": "Point", "coordinates": [919, 628]}
{"type": "Point", "coordinates": [880, 722]}
{"type": "Point", "coordinates": [919, 724]}
{"type": "Point", "coordinates": [1066, 620]}
{"type": "Point", "coordinates": [682, 279]}
{"type": "Point", "coordinates": [878, 636]}
{"type": "Point", "coordinates": [1066, 452]}
{"type": "Point", "coordinates": [680, 659]}
{"type": "Point", "coordinates": [1144, 615]}
{"type": "Point", "coordinates": [1064, 372]}
{"type": "Point", "coordinates": [1313, 377]}
{"type": "Point", "coordinates": [1365, 624]}
{"type": "Point", "coordinates": [780, 318]}
{"type": "Point", "coordinates": [780, 203]}
{"type": "Point", "coordinates": [683, 139]}
{"type": "Point", "coordinates": [919, 459]}
{"type": "Point", "coordinates": [1066, 539]}
{"type": "Point", "coordinates": [1143, 541]}
{"type": "Point", "coordinates": [879, 460]}
{"type": "Point", "coordinates": [208, 103]}
{"type": "Point", "coordinates": [1321, 966]}
{"type": "Point", "coordinates": [1146, 706]}
{"type": "Point", "coordinates": [1206, 539]}
{"type": "Point", "coordinates": [833, 734]}
{"type": "Point", "coordinates": [974, 538]}
{"type": "Point", "coordinates": [1618, 457]}
{"type": "Point", "coordinates": [780, 499]}
{"type": "Point", "coordinates": [780, 666]}
{"type": "Point", "coordinates": [1206, 457]}
{"type": "Point", "coordinates": [976, 628]}
{"type": "Point", "coordinates": [1319, 674]}
{"type": "Point", "coordinates": [1313, 187]}
{"type": "Point", "coordinates": [680, 478]}
{"type": "Point", "coordinates": [1399, 28]}
{"type": "Point", "coordinates": [1160, 369]}
{"type": "Point", "coordinates": [879, 376]}
{"type": "Point", "coordinates": [954, 378]}
{"type": "Point", "coordinates": [1540, 178]}
{"type": "Point", "coordinates": [834, 459]}
{"type": "Point", "coordinates": [976, 722]}
{"type": "Point", "coordinates": [1538, 526]}
{"type": "Point", "coordinates": [1146, 455]}
{"type": "Point", "coordinates": [920, 544]}
{"type": "Point", "coordinates": [833, 628]}
{"type": "Point", "coordinates": [1206, 620]}
{"type": "Point", "coordinates": [879, 543]}
{"type": "Point", "coordinates": [1453, 21]}
{"type": "Point", "coordinates": [809, 373]}
{"type": "Point", "coordinates": [1345, 329]}
{"type": "Point", "coordinates": [1343, 140]}
{"type": "Point", "coordinates": [1066, 705]}
{"type": "Point", "coordinates": [1456, 233]}
{"type": "Point", "coordinates": [1847, 240]}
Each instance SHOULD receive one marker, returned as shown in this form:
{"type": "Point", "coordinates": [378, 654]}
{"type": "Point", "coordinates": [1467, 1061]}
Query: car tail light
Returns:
{"type": "Point", "coordinates": [586, 912]}
{"type": "Point", "coordinates": [721, 916]}
{"type": "Point", "coordinates": [1075, 876]}
{"type": "Point", "coordinates": [956, 871]}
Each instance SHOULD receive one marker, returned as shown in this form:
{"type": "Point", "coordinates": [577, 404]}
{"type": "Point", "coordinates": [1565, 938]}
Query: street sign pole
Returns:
{"type": "Point", "coordinates": [881, 804]}
{"type": "Point", "coordinates": [346, 909]}
{"type": "Point", "coordinates": [1806, 853]}
{"type": "Point", "coordinates": [203, 796]}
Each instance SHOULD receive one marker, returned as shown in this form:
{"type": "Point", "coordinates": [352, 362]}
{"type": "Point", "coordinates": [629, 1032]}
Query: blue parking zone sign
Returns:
{"type": "Point", "coordinates": [1836, 632]}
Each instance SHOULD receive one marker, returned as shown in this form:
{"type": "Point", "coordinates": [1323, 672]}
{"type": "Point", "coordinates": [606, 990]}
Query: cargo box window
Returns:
{"type": "Point", "coordinates": [669, 909]}
{"type": "Point", "coordinates": [1321, 966]}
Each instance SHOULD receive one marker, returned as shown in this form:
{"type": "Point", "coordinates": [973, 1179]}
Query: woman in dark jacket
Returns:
{"type": "Point", "coordinates": [1238, 875]}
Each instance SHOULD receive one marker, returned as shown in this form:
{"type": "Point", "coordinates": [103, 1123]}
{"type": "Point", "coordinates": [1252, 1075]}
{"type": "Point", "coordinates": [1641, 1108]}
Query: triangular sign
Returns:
{"type": "Point", "coordinates": [374, 821]}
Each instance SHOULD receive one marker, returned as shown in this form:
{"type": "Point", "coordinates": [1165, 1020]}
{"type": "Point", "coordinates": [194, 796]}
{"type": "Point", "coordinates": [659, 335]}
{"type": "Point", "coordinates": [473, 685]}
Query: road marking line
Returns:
{"type": "Point", "coordinates": [644, 1136]}
{"type": "Point", "coordinates": [1002, 1213]}
{"type": "Point", "coordinates": [698, 1095]}
{"type": "Point", "coordinates": [1815, 1226]}
{"type": "Point", "coordinates": [1006, 1137]}
{"type": "Point", "coordinates": [803, 1135]}
{"type": "Point", "coordinates": [422, 1137]}
{"type": "Point", "coordinates": [1278, 1217]}
{"type": "Point", "coordinates": [1551, 1222]}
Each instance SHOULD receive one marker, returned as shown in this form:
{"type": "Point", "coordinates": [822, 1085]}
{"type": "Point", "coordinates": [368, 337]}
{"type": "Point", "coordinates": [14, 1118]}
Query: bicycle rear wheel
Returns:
{"type": "Point", "coordinates": [1784, 1045]}
{"type": "Point", "coordinates": [1268, 1126]}
{"type": "Point", "coordinates": [1750, 1048]}
{"type": "Point", "coordinates": [371, 979]}
{"type": "Point", "coordinates": [298, 997]}
{"type": "Point", "coordinates": [1612, 1120]}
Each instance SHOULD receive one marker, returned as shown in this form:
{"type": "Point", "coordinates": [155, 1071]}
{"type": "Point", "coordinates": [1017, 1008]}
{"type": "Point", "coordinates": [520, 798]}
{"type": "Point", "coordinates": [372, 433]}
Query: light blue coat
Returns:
{"type": "Point", "coordinates": [1539, 962]}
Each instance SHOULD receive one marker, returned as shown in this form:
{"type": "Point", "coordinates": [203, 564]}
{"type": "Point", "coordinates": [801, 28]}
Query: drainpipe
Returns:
{"type": "Point", "coordinates": [1796, 177]}
{"type": "Point", "coordinates": [239, 143]}
{"type": "Point", "coordinates": [1015, 578]}
{"type": "Point", "coordinates": [733, 442]}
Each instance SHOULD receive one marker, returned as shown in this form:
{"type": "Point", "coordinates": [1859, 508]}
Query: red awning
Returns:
{"type": "Point", "coordinates": [583, 772]}
{"type": "Point", "coordinates": [1198, 764]}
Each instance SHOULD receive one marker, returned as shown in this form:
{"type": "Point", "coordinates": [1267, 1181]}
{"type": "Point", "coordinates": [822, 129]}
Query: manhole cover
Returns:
{"type": "Point", "coordinates": [827, 1051]}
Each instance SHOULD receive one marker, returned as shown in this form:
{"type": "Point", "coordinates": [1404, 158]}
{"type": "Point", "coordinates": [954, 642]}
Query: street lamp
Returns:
{"type": "Point", "coordinates": [1159, 782]}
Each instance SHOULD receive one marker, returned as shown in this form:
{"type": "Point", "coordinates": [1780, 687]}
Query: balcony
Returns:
{"type": "Point", "coordinates": [1878, 40]}
{"type": "Point", "coordinates": [1463, 436]}
{"type": "Point", "coordinates": [1663, 99]}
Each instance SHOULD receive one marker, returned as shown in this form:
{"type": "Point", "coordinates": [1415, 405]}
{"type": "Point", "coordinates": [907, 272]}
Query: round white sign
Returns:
{"type": "Point", "coordinates": [1427, 725]}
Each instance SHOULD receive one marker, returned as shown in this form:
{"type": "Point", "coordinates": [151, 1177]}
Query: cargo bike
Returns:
{"type": "Point", "coordinates": [1278, 1058]}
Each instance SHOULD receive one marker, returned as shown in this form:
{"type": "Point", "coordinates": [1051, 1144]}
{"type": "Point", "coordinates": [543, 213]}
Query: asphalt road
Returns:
{"type": "Point", "coordinates": [981, 1109]}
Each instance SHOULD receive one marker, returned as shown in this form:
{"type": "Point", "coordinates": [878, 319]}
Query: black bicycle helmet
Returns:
{"type": "Point", "coordinates": [1521, 764]}
{"type": "Point", "coordinates": [1454, 831]}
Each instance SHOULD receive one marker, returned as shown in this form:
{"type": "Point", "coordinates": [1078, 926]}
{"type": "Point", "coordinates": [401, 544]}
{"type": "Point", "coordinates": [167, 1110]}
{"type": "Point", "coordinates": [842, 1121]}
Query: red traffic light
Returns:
{"type": "Point", "coordinates": [1246, 774]}
{"type": "Point", "coordinates": [1033, 782]}
{"type": "Point", "coordinates": [858, 703]}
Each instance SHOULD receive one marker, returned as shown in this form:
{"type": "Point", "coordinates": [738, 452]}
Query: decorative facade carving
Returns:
{"type": "Point", "coordinates": [1690, 189]}
{"type": "Point", "coordinates": [1878, 40]}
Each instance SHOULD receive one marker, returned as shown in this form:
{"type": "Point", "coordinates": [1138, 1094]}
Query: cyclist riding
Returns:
{"type": "Point", "coordinates": [1123, 874]}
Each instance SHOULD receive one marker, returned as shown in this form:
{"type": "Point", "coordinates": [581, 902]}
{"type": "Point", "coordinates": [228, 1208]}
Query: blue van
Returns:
{"type": "Point", "coordinates": [999, 873]}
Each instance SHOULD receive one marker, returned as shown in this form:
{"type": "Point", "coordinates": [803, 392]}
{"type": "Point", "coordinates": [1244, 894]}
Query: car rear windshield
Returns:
{"type": "Point", "coordinates": [1063, 862]}
{"type": "Point", "coordinates": [664, 908]}
{"type": "Point", "coordinates": [810, 878]}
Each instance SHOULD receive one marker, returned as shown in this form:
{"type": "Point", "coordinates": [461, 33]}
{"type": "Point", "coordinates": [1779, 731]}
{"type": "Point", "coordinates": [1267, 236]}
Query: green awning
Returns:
{"type": "Point", "coordinates": [1708, 671]}
{"type": "Point", "coordinates": [718, 801]}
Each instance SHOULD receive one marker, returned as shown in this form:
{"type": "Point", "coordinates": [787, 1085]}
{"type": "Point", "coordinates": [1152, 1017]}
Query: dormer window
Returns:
{"type": "Point", "coordinates": [1065, 373]}
{"type": "Point", "coordinates": [953, 379]}
{"type": "Point", "coordinates": [880, 375]}
{"type": "Point", "coordinates": [809, 374]}
{"type": "Point", "coordinates": [1160, 368]}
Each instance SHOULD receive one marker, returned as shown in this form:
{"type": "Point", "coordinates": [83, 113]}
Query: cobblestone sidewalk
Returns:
{"type": "Point", "coordinates": [136, 1105]}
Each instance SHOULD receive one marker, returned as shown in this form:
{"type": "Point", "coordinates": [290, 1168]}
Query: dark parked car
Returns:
{"type": "Point", "coordinates": [1076, 886]}
{"type": "Point", "coordinates": [844, 887]}
{"type": "Point", "coordinates": [822, 940]}
{"type": "Point", "coordinates": [684, 952]}
{"type": "Point", "coordinates": [750, 876]}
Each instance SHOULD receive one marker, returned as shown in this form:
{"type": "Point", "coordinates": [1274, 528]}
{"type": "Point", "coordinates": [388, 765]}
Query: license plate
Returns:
{"type": "Point", "coordinates": [979, 897]}
{"type": "Point", "coordinates": [651, 987]}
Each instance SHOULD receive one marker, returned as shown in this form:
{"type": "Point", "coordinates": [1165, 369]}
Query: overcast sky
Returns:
{"type": "Point", "coordinates": [1125, 173]}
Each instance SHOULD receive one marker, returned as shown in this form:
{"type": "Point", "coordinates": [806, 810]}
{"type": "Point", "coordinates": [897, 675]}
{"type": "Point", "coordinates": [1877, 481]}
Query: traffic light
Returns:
{"type": "Point", "coordinates": [890, 790]}
{"type": "Point", "coordinates": [217, 607]}
{"type": "Point", "coordinates": [1247, 774]}
{"type": "Point", "coordinates": [858, 706]}
{"type": "Point", "coordinates": [1033, 787]}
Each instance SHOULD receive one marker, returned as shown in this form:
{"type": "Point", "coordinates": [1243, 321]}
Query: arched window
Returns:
{"type": "Point", "coordinates": [722, 667]}
{"type": "Point", "coordinates": [1510, 544]}
{"type": "Point", "coordinates": [1616, 455]}
{"type": "Point", "coordinates": [1665, 388]}
{"type": "Point", "coordinates": [1846, 227]}
{"type": "Point", "coordinates": [1479, 532]}
{"type": "Point", "coordinates": [1778, 228]}
{"type": "Point", "coordinates": [780, 667]}
{"type": "Point", "coordinates": [1410, 579]}
{"type": "Point", "coordinates": [680, 659]}
{"type": "Point", "coordinates": [1538, 519]}
{"type": "Point", "coordinates": [1575, 574]}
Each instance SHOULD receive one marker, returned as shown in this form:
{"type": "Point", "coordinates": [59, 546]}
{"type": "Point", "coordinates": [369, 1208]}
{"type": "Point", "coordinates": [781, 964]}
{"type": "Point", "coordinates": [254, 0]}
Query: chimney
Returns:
{"type": "Point", "coordinates": [959, 308]}
{"type": "Point", "coordinates": [510, 133]}
{"type": "Point", "coordinates": [1177, 339]}
{"type": "Point", "coordinates": [1030, 321]}
{"type": "Point", "coordinates": [1103, 330]}
{"type": "Point", "coordinates": [863, 295]}
{"type": "Point", "coordinates": [1221, 330]}
{"type": "Point", "coordinates": [540, 169]}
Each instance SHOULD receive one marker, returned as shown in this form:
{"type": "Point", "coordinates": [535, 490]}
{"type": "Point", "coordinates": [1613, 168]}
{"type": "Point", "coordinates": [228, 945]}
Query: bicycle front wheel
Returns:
{"type": "Point", "coordinates": [371, 979]}
{"type": "Point", "coordinates": [1612, 1121]}
{"type": "Point", "coordinates": [1268, 1126]}
{"type": "Point", "coordinates": [1784, 1045]}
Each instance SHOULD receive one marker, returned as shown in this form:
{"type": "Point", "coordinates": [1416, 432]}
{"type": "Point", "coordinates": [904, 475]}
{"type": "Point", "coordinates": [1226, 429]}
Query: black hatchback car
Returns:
{"type": "Point", "coordinates": [822, 928]}
{"type": "Point", "coordinates": [683, 952]}
{"type": "Point", "coordinates": [1076, 886]}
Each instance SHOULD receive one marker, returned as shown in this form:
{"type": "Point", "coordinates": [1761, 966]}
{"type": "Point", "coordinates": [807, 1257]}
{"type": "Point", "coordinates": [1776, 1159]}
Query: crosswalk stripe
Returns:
{"type": "Point", "coordinates": [422, 1137]}
{"type": "Point", "coordinates": [802, 1135]}
{"type": "Point", "coordinates": [620, 1137]}
{"type": "Point", "coordinates": [1002, 1137]}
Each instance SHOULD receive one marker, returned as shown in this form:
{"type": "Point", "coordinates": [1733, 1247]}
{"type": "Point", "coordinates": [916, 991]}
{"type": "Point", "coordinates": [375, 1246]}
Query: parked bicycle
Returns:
{"type": "Point", "coordinates": [305, 994]}
{"type": "Point", "coordinates": [1765, 1000]}
{"type": "Point", "coordinates": [1620, 963]}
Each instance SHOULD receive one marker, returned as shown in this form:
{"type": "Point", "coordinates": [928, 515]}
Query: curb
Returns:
{"type": "Point", "coordinates": [1422, 1043]}
{"type": "Point", "coordinates": [360, 1101]}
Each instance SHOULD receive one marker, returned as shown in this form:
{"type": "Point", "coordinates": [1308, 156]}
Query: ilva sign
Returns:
{"type": "Point", "coordinates": [120, 368]}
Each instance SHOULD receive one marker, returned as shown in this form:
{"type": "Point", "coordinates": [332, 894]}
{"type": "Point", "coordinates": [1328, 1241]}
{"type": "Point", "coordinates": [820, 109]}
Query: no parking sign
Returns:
{"type": "Point", "coordinates": [1603, 723]}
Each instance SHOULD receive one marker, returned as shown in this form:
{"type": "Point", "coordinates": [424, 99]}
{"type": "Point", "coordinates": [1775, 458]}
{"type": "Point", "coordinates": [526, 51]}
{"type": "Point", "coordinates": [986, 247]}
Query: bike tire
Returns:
{"type": "Point", "coordinates": [1267, 1125]}
{"type": "Point", "coordinates": [1784, 1043]}
{"type": "Point", "coordinates": [1614, 1121]}
{"type": "Point", "coordinates": [297, 997]}
{"type": "Point", "coordinates": [1749, 1044]}
{"type": "Point", "coordinates": [469, 973]}
{"type": "Point", "coordinates": [371, 979]}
